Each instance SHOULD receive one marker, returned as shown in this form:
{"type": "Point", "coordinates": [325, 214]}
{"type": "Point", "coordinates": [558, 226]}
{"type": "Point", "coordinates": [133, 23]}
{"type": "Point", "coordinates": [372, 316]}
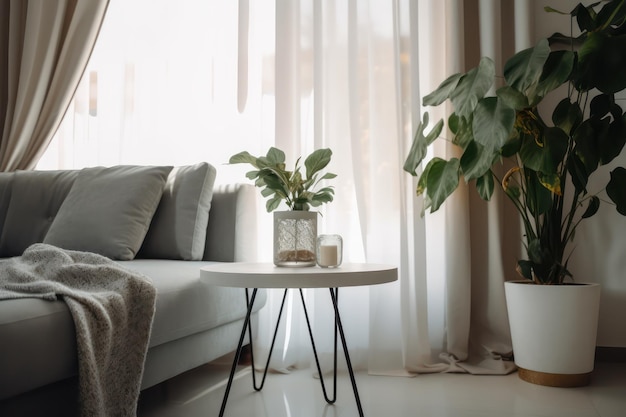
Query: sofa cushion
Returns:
{"type": "Point", "coordinates": [35, 198]}
{"type": "Point", "coordinates": [108, 210]}
{"type": "Point", "coordinates": [185, 304]}
{"type": "Point", "coordinates": [178, 228]}
{"type": "Point", "coordinates": [40, 330]}
{"type": "Point", "coordinates": [38, 344]}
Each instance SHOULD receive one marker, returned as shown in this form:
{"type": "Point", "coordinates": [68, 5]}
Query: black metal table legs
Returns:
{"type": "Point", "coordinates": [334, 294]}
{"type": "Point", "coordinates": [246, 324]}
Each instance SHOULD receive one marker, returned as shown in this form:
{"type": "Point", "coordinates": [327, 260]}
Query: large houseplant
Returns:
{"type": "Point", "coordinates": [295, 230]}
{"type": "Point", "coordinates": [546, 158]}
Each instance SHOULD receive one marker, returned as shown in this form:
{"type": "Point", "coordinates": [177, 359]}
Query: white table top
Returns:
{"type": "Point", "coordinates": [266, 275]}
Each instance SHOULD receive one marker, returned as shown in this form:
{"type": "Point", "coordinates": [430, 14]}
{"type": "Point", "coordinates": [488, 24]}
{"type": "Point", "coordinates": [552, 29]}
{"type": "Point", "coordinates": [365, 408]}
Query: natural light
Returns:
{"type": "Point", "coordinates": [176, 83]}
{"type": "Point", "coordinates": [163, 86]}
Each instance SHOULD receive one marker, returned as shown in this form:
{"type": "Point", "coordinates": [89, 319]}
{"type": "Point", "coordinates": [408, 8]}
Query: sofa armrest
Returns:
{"type": "Point", "coordinates": [232, 228]}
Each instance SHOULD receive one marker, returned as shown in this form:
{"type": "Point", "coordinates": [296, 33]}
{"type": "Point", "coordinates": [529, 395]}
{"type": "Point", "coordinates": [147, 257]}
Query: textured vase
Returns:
{"type": "Point", "coordinates": [553, 330]}
{"type": "Point", "coordinates": [295, 234]}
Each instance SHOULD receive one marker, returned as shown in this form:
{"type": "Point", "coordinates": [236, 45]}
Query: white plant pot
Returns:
{"type": "Point", "coordinates": [553, 330]}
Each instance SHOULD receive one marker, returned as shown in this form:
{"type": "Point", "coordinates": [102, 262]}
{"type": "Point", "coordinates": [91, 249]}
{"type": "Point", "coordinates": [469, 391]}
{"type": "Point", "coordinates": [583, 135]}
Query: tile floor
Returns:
{"type": "Point", "coordinates": [199, 393]}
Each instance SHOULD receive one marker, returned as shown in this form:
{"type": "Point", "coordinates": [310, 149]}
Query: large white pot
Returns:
{"type": "Point", "coordinates": [553, 330]}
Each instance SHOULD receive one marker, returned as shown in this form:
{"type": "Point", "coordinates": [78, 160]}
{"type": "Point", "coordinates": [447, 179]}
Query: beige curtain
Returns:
{"type": "Point", "coordinates": [481, 241]}
{"type": "Point", "coordinates": [471, 246]}
{"type": "Point", "coordinates": [44, 47]}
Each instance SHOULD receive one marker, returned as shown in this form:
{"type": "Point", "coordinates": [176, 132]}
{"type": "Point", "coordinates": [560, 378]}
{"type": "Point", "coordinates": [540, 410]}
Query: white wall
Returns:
{"type": "Point", "coordinates": [600, 250]}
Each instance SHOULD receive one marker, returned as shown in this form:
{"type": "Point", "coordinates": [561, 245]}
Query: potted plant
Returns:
{"type": "Point", "coordinates": [546, 158]}
{"type": "Point", "coordinates": [295, 230]}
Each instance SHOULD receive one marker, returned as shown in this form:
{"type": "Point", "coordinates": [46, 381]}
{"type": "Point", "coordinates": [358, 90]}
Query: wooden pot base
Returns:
{"type": "Point", "coordinates": [554, 380]}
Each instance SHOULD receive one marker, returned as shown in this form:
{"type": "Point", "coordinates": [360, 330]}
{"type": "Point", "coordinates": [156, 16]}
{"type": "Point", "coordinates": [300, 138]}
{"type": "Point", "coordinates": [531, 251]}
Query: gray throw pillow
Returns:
{"type": "Point", "coordinates": [34, 199]}
{"type": "Point", "coordinates": [108, 210]}
{"type": "Point", "coordinates": [178, 229]}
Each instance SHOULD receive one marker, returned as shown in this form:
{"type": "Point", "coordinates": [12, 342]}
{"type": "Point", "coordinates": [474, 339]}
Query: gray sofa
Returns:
{"type": "Point", "coordinates": [163, 222]}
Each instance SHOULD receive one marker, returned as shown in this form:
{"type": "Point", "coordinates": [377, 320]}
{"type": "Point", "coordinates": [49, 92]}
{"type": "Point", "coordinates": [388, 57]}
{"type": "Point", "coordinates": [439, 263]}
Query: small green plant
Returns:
{"type": "Point", "coordinates": [278, 184]}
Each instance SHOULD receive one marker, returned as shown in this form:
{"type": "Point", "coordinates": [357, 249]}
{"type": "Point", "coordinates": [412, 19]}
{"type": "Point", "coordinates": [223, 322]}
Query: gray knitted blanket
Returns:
{"type": "Point", "coordinates": [112, 309]}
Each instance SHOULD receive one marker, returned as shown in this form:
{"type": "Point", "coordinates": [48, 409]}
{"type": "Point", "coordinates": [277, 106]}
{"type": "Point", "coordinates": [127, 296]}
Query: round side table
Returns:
{"type": "Point", "coordinates": [265, 275]}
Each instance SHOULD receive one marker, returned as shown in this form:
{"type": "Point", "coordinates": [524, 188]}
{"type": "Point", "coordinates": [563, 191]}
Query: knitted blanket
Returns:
{"type": "Point", "coordinates": [112, 309]}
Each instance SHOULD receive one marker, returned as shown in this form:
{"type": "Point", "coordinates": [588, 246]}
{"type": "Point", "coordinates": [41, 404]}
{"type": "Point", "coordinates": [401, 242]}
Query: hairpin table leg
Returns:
{"type": "Point", "coordinates": [338, 328]}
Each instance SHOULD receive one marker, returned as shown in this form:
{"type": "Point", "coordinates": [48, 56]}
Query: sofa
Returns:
{"type": "Point", "coordinates": [163, 222]}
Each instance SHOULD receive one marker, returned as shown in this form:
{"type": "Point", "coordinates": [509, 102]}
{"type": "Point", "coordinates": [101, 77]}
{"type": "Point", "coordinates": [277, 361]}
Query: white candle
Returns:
{"type": "Point", "coordinates": [328, 255]}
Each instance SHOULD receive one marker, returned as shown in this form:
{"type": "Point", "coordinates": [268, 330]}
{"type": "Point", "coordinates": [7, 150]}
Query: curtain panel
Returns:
{"type": "Point", "coordinates": [171, 82]}
{"type": "Point", "coordinates": [44, 48]}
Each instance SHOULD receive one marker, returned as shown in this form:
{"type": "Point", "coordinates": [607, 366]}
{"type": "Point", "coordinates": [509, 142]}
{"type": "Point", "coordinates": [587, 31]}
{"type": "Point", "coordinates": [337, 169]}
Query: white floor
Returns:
{"type": "Point", "coordinates": [200, 392]}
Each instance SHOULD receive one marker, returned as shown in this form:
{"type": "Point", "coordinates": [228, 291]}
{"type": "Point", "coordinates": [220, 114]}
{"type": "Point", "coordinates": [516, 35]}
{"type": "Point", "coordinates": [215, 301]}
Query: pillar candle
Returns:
{"type": "Point", "coordinates": [328, 255]}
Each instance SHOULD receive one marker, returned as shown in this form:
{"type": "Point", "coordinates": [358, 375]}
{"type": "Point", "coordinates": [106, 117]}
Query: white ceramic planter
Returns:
{"type": "Point", "coordinates": [553, 330]}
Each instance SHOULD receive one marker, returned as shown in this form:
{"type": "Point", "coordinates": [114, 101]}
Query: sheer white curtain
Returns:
{"type": "Point", "coordinates": [179, 82]}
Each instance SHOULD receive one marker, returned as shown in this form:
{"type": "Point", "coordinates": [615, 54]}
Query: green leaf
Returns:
{"type": "Point", "coordinates": [328, 176]}
{"type": "Point", "coordinates": [275, 156]}
{"type": "Point", "coordinates": [551, 182]}
{"type": "Point", "coordinates": [602, 60]}
{"type": "Point", "coordinates": [524, 68]}
{"type": "Point", "coordinates": [252, 174]}
{"type": "Point", "coordinates": [535, 251]}
{"type": "Point", "coordinates": [545, 153]}
{"type": "Point", "coordinates": [266, 192]}
{"type": "Point", "coordinates": [476, 161]}
{"type": "Point", "coordinates": [538, 197]}
{"type": "Point", "coordinates": [453, 123]}
{"type": "Point", "coordinates": [421, 183]}
{"type": "Point", "coordinates": [274, 182]}
{"type": "Point", "coordinates": [556, 72]}
{"type": "Point", "coordinates": [558, 39]}
{"type": "Point", "coordinates": [587, 148]}
{"type": "Point", "coordinates": [443, 179]}
{"type": "Point", "coordinates": [485, 186]}
{"type": "Point", "coordinates": [612, 13]}
{"type": "Point", "coordinates": [326, 190]}
{"type": "Point", "coordinates": [296, 183]}
{"type": "Point", "coordinates": [567, 115]}
{"type": "Point", "coordinates": [553, 10]}
{"type": "Point", "coordinates": [323, 196]}
{"type": "Point", "coordinates": [512, 98]}
{"type": "Point", "coordinates": [556, 142]}
{"type": "Point", "coordinates": [420, 144]}
{"type": "Point", "coordinates": [260, 182]}
{"type": "Point", "coordinates": [492, 123]}
{"type": "Point", "coordinates": [243, 158]}
{"type": "Point", "coordinates": [472, 87]}
{"type": "Point", "coordinates": [601, 105]}
{"type": "Point", "coordinates": [512, 146]}
{"type": "Point", "coordinates": [272, 204]}
{"type": "Point", "coordinates": [442, 93]}
{"type": "Point", "coordinates": [463, 135]}
{"type": "Point", "coordinates": [592, 208]}
{"type": "Point", "coordinates": [317, 161]}
{"type": "Point", "coordinates": [616, 189]}
{"type": "Point", "coordinates": [578, 173]}
{"type": "Point", "coordinates": [584, 19]}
